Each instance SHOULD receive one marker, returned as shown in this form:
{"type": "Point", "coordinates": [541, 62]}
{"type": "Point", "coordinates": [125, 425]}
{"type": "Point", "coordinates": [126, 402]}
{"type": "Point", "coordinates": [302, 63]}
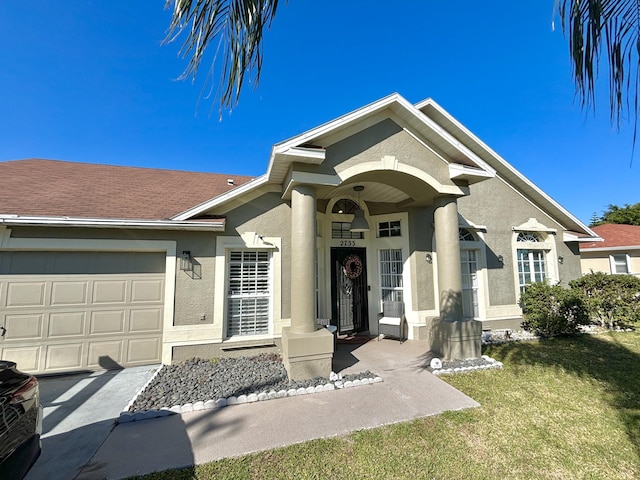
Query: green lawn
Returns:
{"type": "Point", "coordinates": [560, 409]}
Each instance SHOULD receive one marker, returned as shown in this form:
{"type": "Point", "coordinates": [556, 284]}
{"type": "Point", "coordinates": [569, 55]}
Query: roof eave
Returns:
{"type": "Point", "coordinates": [19, 220]}
{"type": "Point", "coordinates": [225, 197]}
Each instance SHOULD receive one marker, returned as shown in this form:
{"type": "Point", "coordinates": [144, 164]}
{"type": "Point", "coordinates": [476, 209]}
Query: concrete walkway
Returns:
{"type": "Point", "coordinates": [79, 411]}
{"type": "Point", "coordinates": [408, 392]}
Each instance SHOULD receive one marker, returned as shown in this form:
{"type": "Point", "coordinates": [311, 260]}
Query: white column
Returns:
{"type": "Point", "coordinates": [303, 260]}
{"type": "Point", "coordinates": [448, 250]}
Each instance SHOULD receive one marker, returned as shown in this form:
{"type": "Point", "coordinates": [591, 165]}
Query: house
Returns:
{"type": "Point", "coordinates": [618, 252]}
{"type": "Point", "coordinates": [103, 266]}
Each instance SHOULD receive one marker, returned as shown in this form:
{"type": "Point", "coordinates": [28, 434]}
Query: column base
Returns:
{"type": "Point", "coordinates": [457, 340]}
{"type": "Point", "coordinates": [307, 355]}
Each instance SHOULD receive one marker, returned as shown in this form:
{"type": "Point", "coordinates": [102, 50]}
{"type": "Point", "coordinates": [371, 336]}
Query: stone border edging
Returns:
{"type": "Point", "coordinates": [493, 364]}
{"type": "Point", "coordinates": [126, 416]}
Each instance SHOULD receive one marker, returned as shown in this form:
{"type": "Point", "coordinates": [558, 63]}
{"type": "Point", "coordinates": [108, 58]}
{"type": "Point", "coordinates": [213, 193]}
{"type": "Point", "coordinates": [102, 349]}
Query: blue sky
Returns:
{"type": "Point", "coordinates": [88, 81]}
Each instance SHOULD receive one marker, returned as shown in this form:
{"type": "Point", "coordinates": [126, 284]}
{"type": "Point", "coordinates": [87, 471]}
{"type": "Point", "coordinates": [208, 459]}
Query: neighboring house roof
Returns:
{"type": "Point", "coordinates": [52, 189]}
{"type": "Point", "coordinates": [615, 236]}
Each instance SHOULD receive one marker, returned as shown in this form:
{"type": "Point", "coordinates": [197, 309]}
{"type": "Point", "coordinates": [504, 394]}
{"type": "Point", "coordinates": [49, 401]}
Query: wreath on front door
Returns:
{"type": "Point", "coordinates": [352, 266]}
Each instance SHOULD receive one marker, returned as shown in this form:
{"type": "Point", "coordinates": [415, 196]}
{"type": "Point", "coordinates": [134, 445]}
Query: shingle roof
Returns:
{"type": "Point", "coordinates": [614, 235]}
{"type": "Point", "coordinates": [37, 187]}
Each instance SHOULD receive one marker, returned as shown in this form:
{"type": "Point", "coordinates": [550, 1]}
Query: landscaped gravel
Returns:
{"type": "Point", "coordinates": [200, 380]}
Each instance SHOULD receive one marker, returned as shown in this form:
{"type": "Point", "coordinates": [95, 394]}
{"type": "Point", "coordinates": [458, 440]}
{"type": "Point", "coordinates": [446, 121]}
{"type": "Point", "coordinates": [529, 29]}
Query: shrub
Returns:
{"type": "Point", "coordinates": [551, 310]}
{"type": "Point", "coordinates": [612, 299]}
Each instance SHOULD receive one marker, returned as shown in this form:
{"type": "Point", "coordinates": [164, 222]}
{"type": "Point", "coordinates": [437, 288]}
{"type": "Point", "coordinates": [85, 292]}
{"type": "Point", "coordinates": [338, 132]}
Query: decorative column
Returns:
{"type": "Point", "coordinates": [445, 218]}
{"type": "Point", "coordinates": [451, 335]}
{"type": "Point", "coordinates": [307, 352]}
{"type": "Point", "coordinates": [303, 259]}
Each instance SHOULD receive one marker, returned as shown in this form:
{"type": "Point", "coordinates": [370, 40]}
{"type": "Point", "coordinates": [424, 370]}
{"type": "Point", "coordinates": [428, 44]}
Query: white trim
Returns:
{"type": "Point", "coordinates": [503, 163]}
{"type": "Point", "coordinates": [248, 241]}
{"type": "Point", "coordinates": [5, 234]}
{"type": "Point", "coordinates": [568, 237]}
{"type": "Point", "coordinates": [612, 263]}
{"type": "Point", "coordinates": [100, 245]}
{"type": "Point", "coordinates": [610, 249]}
{"type": "Point", "coordinates": [225, 197]}
{"type": "Point", "coordinates": [111, 223]}
{"type": "Point", "coordinates": [379, 166]}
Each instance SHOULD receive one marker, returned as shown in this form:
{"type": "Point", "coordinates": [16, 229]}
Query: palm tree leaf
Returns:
{"type": "Point", "coordinates": [238, 27]}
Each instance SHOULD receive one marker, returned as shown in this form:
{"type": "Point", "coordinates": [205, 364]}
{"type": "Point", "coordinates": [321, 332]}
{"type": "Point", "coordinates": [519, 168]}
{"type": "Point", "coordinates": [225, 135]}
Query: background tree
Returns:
{"type": "Point", "coordinates": [627, 215]}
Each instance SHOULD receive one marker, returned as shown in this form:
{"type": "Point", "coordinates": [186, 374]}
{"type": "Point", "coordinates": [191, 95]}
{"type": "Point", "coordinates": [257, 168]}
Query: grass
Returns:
{"type": "Point", "coordinates": [559, 409]}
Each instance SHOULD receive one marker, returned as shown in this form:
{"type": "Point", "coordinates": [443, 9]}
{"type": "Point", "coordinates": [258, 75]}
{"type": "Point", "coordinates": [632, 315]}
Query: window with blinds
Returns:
{"type": "Point", "coordinates": [248, 299]}
{"type": "Point", "coordinates": [391, 275]}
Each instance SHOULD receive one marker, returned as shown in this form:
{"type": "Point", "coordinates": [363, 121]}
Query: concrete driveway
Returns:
{"type": "Point", "coordinates": [79, 414]}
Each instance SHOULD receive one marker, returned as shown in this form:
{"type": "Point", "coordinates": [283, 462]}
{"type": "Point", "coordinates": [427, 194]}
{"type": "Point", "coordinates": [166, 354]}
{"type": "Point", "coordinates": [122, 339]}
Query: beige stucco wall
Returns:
{"type": "Point", "coordinates": [499, 207]}
{"type": "Point", "coordinates": [421, 243]}
{"type": "Point", "coordinates": [372, 144]}
{"type": "Point", "coordinates": [599, 261]}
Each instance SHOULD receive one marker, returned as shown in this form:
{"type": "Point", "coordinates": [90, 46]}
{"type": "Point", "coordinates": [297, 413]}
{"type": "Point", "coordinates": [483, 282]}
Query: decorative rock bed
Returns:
{"type": "Point", "coordinates": [200, 384]}
{"type": "Point", "coordinates": [460, 366]}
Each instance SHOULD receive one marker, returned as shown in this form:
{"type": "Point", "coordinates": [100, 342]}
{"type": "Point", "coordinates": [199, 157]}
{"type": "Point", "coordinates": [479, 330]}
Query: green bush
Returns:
{"type": "Point", "coordinates": [612, 299]}
{"type": "Point", "coordinates": [551, 310]}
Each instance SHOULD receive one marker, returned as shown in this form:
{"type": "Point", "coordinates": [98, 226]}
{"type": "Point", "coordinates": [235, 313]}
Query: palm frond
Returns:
{"type": "Point", "coordinates": [237, 26]}
{"type": "Point", "coordinates": [604, 32]}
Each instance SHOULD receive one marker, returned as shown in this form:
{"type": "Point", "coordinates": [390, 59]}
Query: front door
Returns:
{"type": "Point", "coordinates": [349, 289]}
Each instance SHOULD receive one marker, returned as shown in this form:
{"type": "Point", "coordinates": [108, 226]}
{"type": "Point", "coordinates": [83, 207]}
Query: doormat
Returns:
{"type": "Point", "coordinates": [354, 339]}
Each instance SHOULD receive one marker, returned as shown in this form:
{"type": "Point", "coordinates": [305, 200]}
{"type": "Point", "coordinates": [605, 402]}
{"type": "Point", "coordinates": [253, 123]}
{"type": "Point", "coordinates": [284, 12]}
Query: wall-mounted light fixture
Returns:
{"type": "Point", "coordinates": [560, 259]}
{"type": "Point", "coordinates": [429, 258]}
{"type": "Point", "coordinates": [500, 258]}
{"type": "Point", "coordinates": [186, 261]}
{"type": "Point", "coordinates": [359, 223]}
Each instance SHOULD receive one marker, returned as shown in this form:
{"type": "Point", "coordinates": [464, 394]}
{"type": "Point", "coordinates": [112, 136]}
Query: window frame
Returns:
{"type": "Point", "coordinates": [613, 263]}
{"type": "Point", "coordinates": [389, 227]}
{"type": "Point", "coordinates": [397, 287]}
{"type": "Point", "coordinates": [256, 294]}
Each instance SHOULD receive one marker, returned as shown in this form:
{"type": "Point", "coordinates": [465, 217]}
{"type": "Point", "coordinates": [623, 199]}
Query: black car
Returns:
{"type": "Point", "coordinates": [20, 421]}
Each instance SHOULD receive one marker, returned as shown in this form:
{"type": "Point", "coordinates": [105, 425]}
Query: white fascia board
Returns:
{"type": "Point", "coordinates": [225, 197]}
{"type": "Point", "coordinates": [109, 223]}
{"type": "Point", "coordinates": [568, 237]}
{"type": "Point", "coordinates": [315, 155]}
{"type": "Point", "coordinates": [366, 110]}
{"type": "Point", "coordinates": [457, 170]}
{"type": "Point", "coordinates": [282, 147]}
{"type": "Point", "coordinates": [611, 249]}
{"type": "Point", "coordinates": [506, 164]}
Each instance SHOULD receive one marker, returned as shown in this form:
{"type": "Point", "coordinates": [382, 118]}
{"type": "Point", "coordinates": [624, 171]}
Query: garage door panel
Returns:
{"type": "Point", "coordinates": [107, 322]}
{"type": "Point", "coordinates": [67, 311]}
{"type": "Point", "coordinates": [66, 324]}
{"type": "Point", "coordinates": [109, 291]}
{"type": "Point", "coordinates": [143, 350]}
{"type": "Point", "coordinates": [67, 356]}
{"type": "Point", "coordinates": [145, 320]}
{"type": "Point", "coordinates": [27, 358]}
{"type": "Point", "coordinates": [105, 354]}
{"type": "Point", "coordinates": [69, 293]}
{"type": "Point", "coordinates": [23, 326]}
{"type": "Point", "coordinates": [25, 294]}
{"type": "Point", "coordinates": [146, 290]}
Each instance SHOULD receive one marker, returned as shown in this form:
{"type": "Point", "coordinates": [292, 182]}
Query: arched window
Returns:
{"type": "Point", "coordinates": [345, 205]}
{"type": "Point", "coordinates": [528, 237]}
{"type": "Point", "coordinates": [465, 235]}
{"type": "Point", "coordinates": [532, 261]}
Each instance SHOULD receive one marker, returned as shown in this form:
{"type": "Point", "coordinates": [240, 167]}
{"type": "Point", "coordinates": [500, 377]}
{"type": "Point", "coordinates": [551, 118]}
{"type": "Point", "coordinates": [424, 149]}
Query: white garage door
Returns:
{"type": "Point", "coordinates": [68, 311]}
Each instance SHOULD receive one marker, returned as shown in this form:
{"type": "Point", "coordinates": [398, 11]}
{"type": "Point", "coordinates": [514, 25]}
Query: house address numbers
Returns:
{"type": "Point", "coordinates": [347, 243]}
